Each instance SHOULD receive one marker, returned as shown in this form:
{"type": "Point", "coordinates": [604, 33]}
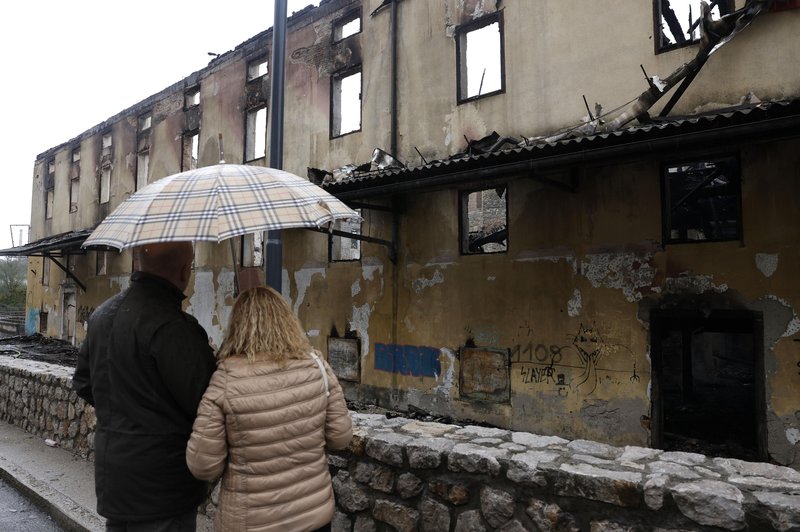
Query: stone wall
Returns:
{"type": "Point", "coordinates": [405, 475]}
{"type": "Point", "coordinates": [38, 397]}
{"type": "Point", "coordinates": [434, 478]}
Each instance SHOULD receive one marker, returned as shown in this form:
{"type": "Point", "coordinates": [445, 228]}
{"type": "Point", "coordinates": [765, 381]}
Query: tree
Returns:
{"type": "Point", "coordinates": [13, 281]}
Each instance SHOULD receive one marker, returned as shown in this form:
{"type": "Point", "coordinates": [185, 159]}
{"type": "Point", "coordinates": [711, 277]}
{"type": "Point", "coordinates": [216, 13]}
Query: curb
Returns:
{"type": "Point", "coordinates": [65, 511]}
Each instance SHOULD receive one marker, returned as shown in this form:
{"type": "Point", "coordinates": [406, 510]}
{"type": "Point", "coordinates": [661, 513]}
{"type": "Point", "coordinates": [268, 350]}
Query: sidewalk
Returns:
{"type": "Point", "coordinates": [55, 479]}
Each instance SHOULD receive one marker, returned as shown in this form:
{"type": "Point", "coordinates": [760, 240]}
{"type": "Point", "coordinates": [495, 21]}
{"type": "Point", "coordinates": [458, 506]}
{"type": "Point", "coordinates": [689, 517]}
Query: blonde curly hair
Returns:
{"type": "Point", "coordinates": [262, 326]}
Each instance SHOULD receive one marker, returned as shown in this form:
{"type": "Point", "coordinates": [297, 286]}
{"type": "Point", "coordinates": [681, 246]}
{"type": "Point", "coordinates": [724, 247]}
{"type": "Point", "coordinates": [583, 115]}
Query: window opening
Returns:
{"type": "Point", "coordinates": [346, 99]}
{"type": "Point", "coordinates": [74, 184]}
{"type": "Point", "coordinates": [252, 247]}
{"type": "Point", "coordinates": [677, 21]}
{"type": "Point", "coordinates": [45, 271]}
{"type": "Point", "coordinates": [106, 144]}
{"type": "Point", "coordinates": [484, 221]}
{"type": "Point", "coordinates": [256, 140]}
{"type": "Point", "coordinates": [480, 58]}
{"type": "Point", "coordinates": [191, 151]}
{"type": "Point", "coordinates": [343, 248]}
{"type": "Point", "coordinates": [50, 189]}
{"type": "Point", "coordinates": [43, 322]}
{"type": "Point", "coordinates": [257, 68]}
{"type": "Point", "coordinates": [702, 201]}
{"type": "Point", "coordinates": [706, 376]}
{"type": "Point", "coordinates": [101, 263]}
{"type": "Point", "coordinates": [145, 121]}
{"type": "Point", "coordinates": [142, 164]}
{"type": "Point", "coordinates": [192, 98]}
{"type": "Point", "coordinates": [105, 184]}
{"type": "Point", "coordinates": [347, 26]}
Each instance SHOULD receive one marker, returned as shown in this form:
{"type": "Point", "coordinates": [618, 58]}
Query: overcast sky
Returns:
{"type": "Point", "coordinates": [68, 66]}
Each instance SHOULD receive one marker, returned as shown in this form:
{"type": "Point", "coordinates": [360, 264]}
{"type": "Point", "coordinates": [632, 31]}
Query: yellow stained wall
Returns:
{"type": "Point", "coordinates": [585, 264]}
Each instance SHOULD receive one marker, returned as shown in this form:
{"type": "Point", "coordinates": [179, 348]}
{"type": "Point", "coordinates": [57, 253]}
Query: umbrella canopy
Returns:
{"type": "Point", "coordinates": [217, 202]}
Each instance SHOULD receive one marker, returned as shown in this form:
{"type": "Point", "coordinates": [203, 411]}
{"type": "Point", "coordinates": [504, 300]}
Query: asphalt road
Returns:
{"type": "Point", "coordinates": [18, 514]}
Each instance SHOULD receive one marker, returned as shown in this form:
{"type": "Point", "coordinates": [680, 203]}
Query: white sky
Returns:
{"type": "Point", "coordinates": [68, 66]}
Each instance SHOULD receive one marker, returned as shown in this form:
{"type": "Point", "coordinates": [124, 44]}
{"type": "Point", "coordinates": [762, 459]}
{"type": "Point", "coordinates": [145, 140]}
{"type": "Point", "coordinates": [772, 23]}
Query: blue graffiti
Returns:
{"type": "Point", "coordinates": [413, 360]}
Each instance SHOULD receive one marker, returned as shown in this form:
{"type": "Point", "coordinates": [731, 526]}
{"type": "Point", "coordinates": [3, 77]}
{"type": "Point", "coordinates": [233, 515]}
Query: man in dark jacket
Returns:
{"type": "Point", "coordinates": [144, 367]}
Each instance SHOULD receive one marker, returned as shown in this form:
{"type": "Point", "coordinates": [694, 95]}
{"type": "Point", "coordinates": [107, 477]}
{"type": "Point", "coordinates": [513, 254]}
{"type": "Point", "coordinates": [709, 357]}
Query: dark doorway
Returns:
{"type": "Point", "coordinates": [708, 383]}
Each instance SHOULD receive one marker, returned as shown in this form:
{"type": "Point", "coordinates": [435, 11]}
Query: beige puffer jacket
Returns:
{"type": "Point", "coordinates": [269, 425]}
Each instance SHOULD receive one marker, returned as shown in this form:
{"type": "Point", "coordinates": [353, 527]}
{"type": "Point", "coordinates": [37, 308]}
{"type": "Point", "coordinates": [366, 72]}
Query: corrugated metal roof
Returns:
{"type": "Point", "coordinates": [660, 128]}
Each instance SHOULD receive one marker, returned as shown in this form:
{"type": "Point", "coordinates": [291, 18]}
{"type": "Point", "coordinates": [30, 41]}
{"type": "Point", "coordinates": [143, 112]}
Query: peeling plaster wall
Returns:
{"type": "Point", "coordinates": [568, 301]}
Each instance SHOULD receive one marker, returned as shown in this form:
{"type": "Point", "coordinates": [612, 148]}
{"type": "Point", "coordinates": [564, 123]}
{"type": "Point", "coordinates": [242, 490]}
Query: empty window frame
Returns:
{"type": "Point", "coordinates": [191, 98]}
{"type": "Point", "coordinates": [191, 150]}
{"type": "Point", "coordinates": [480, 58]}
{"type": "Point", "coordinates": [145, 121]}
{"type": "Point", "coordinates": [107, 144]}
{"type": "Point", "coordinates": [677, 21]}
{"type": "Point", "coordinates": [346, 102]}
{"type": "Point", "coordinates": [45, 270]}
{"type": "Point", "coordinates": [484, 220]}
{"type": "Point", "coordinates": [252, 250]}
{"type": "Point", "coordinates": [74, 181]}
{"type": "Point", "coordinates": [257, 68]}
{"type": "Point", "coordinates": [346, 26]}
{"type": "Point", "coordinates": [101, 263]}
{"type": "Point", "coordinates": [702, 201]}
{"type": "Point", "coordinates": [105, 184]}
{"type": "Point", "coordinates": [342, 248]}
{"type": "Point", "coordinates": [50, 189]}
{"type": "Point", "coordinates": [255, 145]}
{"type": "Point", "coordinates": [142, 168]}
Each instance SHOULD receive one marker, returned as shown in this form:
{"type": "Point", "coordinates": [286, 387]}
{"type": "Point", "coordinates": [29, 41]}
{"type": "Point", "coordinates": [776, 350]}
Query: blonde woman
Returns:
{"type": "Point", "coordinates": [269, 411]}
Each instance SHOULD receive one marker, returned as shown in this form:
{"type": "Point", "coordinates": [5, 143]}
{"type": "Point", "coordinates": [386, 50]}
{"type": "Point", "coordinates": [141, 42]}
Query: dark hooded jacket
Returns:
{"type": "Point", "coordinates": [144, 367]}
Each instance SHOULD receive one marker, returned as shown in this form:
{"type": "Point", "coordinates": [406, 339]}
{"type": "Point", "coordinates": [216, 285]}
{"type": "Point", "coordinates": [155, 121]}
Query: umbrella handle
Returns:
{"type": "Point", "coordinates": [235, 269]}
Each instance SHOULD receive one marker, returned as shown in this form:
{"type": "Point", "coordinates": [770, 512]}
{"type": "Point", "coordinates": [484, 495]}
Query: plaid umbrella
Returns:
{"type": "Point", "coordinates": [217, 202]}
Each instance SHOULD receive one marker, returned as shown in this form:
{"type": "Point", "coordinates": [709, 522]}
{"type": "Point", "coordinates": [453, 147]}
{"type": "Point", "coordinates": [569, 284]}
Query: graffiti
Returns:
{"type": "Point", "coordinates": [634, 377]}
{"type": "Point", "coordinates": [590, 348]}
{"type": "Point", "coordinates": [83, 313]}
{"type": "Point", "coordinates": [538, 375]}
{"type": "Point", "coordinates": [582, 357]}
{"type": "Point", "coordinates": [540, 353]}
{"type": "Point", "coordinates": [408, 360]}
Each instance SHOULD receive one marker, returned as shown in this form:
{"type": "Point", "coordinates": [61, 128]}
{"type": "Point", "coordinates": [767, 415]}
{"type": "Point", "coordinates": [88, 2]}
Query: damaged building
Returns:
{"type": "Point", "coordinates": [577, 222]}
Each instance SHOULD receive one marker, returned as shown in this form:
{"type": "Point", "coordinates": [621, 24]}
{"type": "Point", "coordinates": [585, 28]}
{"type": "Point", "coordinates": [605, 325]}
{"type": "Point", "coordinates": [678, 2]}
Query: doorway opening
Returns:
{"type": "Point", "coordinates": [708, 393]}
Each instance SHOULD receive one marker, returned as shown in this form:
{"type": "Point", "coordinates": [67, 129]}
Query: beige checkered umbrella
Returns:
{"type": "Point", "coordinates": [217, 202]}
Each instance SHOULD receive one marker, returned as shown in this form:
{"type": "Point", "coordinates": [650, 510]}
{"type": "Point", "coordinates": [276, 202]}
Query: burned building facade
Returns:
{"type": "Point", "coordinates": [624, 271]}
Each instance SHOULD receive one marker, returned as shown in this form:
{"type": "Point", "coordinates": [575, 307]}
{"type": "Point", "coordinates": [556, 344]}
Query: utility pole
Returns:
{"type": "Point", "coordinates": [273, 264]}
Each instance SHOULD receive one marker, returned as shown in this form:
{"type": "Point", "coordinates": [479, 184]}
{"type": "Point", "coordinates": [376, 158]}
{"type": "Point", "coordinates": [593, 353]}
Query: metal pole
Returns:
{"type": "Point", "coordinates": [274, 261]}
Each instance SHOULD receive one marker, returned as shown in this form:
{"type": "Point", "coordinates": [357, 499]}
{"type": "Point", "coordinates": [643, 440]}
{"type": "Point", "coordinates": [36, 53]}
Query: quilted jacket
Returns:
{"type": "Point", "coordinates": [264, 428]}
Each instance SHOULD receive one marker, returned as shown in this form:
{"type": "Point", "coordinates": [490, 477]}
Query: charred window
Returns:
{"type": "Point", "coordinates": [342, 248]}
{"type": "Point", "coordinates": [346, 102]}
{"type": "Point", "coordinates": [678, 21]}
{"type": "Point", "coordinates": [191, 98]}
{"type": "Point", "coordinates": [143, 150]}
{"type": "Point", "coordinates": [346, 26]}
{"type": "Point", "coordinates": [252, 250]}
{"type": "Point", "coordinates": [75, 180]}
{"type": "Point", "coordinates": [50, 189]}
{"type": "Point", "coordinates": [257, 68]}
{"type": "Point", "coordinates": [106, 159]}
{"type": "Point", "coordinates": [702, 201]}
{"type": "Point", "coordinates": [484, 221]}
{"type": "Point", "coordinates": [479, 58]}
{"type": "Point", "coordinates": [142, 168]}
{"type": "Point", "coordinates": [191, 150]}
{"type": "Point", "coordinates": [101, 263]}
{"type": "Point", "coordinates": [255, 145]}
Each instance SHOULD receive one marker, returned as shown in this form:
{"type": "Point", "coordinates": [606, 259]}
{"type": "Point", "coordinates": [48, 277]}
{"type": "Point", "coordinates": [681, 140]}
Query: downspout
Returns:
{"type": "Point", "coordinates": [393, 140]}
{"type": "Point", "coordinates": [393, 144]}
{"type": "Point", "coordinates": [273, 263]}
